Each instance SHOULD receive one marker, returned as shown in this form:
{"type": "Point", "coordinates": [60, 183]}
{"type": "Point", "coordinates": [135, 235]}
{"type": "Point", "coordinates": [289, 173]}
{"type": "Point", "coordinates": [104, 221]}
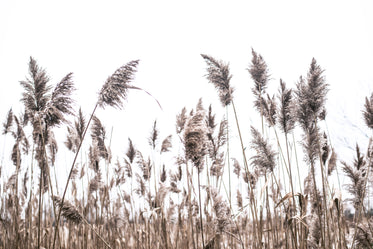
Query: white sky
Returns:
{"type": "Point", "coordinates": [93, 38]}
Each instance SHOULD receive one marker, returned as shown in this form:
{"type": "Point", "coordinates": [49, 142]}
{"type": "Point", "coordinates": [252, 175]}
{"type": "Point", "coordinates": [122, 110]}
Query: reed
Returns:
{"type": "Point", "coordinates": [220, 189]}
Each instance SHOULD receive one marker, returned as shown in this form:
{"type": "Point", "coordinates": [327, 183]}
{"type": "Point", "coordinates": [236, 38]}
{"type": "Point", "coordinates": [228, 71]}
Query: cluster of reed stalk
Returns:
{"type": "Point", "coordinates": [275, 192]}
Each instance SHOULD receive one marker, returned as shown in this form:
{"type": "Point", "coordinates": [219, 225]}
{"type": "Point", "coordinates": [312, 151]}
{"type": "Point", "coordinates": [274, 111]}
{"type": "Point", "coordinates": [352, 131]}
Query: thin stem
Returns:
{"type": "Point", "coordinates": [255, 222]}
{"type": "Point", "coordinates": [71, 171]}
{"type": "Point", "coordinates": [200, 208]}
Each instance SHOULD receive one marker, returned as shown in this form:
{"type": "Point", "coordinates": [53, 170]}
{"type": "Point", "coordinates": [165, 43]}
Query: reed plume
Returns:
{"type": "Point", "coordinates": [332, 164]}
{"type": "Point", "coordinates": [368, 112]}
{"type": "Point", "coordinates": [152, 140]}
{"type": "Point", "coordinates": [75, 133]}
{"type": "Point", "coordinates": [68, 210]}
{"type": "Point", "coordinates": [286, 118]}
{"type": "Point", "coordinates": [222, 212]}
{"type": "Point", "coordinates": [181, 120]}
{"type": "Point", "coordinates": [60, 103]}
{"type": "Point", "coordinates": [195, 138]}
{"type": "Point", "coordinates": [131, 151]}
{"type": "Point", "coordinates": [8, 122]}
{"type": "Point", "coordinates": [163, 176]}
{"type": "Point", "coordinates": [269, 109]}
{"type": "Point", "coordinates": [115, 88]}
{"type": "Point", "coordinates": [357, 174]}
{"type": "Point", "coordinates": [98, 134]}
{"type": "Point", "coordinates": [218, 74]}
{"type": "Point", "coordinates": [264, 159]}
{"type": "Point", "coordinates": [166, 144]}
{"type": "Point", "coordinates": [237, 167]}
{"type": "Point", "coordinates": [260, 74]}
{"type": "Point", "coordinates": [21, 141]}
{"type": "Point", "coordinates": [36, 90]}
{"type": "Point", "coordinates": [311, 96]}
{"type": "Point", "coordinates": [215, 142]}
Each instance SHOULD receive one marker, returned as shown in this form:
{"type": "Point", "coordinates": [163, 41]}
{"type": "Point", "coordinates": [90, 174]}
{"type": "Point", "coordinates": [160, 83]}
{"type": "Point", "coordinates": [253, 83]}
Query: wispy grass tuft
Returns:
{"type": "Point", "coordinates": [219, 76]}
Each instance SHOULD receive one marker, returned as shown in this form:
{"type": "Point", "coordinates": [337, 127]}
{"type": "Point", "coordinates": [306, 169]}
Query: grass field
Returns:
{"type": "Point", "coordinates": [276, 193]}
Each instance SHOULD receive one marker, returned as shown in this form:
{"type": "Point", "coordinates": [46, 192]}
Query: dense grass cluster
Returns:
{"type": "Point", "coordinates": [207, 198]}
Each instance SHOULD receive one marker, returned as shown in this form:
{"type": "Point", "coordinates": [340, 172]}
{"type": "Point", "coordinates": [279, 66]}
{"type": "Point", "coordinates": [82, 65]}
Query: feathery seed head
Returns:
{"type": "Point", "coordinates": [131, 151]}
{"type": "Point", "coordinates": [60, 102]}
{"type": "Point", "coordinates": [368, 112]}
{"type": "Point", "coordinates": [259, 73]}
{"type": "Point", "coordinates": [8, 123]}
{"type": "Point", "coordinates": [68, 210]}
{"type": "Point", "coordinates": [265, 156]}
{"type": "Point", "coordinates": [311, 96]}
{"type": "Point", "coordinates": [166, 144]}
{"type": "Point", "coordinates": [218, 74]}
{"type": "Point", "coordinates": [222, 212]}
{"type": "Point", "coordinates": [36, 94]}
{"type": "Point", "coordinates": [195, 138]}
{"type": "Point", "coordinates": [114, 91]}
{"type": "Point", "coordinates": [181, 120]}
{"type": "Point", "coordinates": [286, 119]}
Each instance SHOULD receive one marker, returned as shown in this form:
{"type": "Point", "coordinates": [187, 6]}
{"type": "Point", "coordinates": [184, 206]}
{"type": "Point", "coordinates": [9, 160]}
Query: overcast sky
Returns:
{"type": "Point", "coordinates": [93, 38]}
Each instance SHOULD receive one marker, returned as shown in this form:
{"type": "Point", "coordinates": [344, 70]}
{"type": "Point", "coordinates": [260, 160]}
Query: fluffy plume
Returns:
{"type": "Point", "coordinates": [53, 147]}
{"type": "Point", "coordinates": [174, 178]}
{"type": "Point", "coordinates": [357, 174]}
{"type": "Point", "coordinates": [181, 120]}
{"type": "Point", "coordinates": [114, 91]}
{"type": "Point", "coordinates": [80, 124]}
{"type": "Point", "coordinates": [311, 96]}
{"type": "Point", "coordinates": [153, 135]}
{"type": "Point", "coordinates": [195, 138]}
{"type": "Point", "coordinates": [98, 134]}
{"type": "Point", "coordinates": [36, 91]}
{"type": "Point", "coordinates": [304, 113]}
{"type": "Point", "coordinates": [166, 144]}
{"type": "Point", "coordinates": [222, 212]}
{"type": "Point", "coordinates": [20, 136]}
{"type": "Point", "coordinates": [96, 182]}
{"type": "Point", "coordinates": [215, 142]}
{"type": "Point", "coordinates": [311, 144]}
{"type": "Point", "coordinates": [163, 174]}
{"type": "Point", "coordinates": [219, 75]}
{"type": "Point", "coordinates": [317, 88]}
{"type": "Point", "coordinates": [251, 178]}
{"type": "Point", "coordinates": [332, 162]}
{"type": "Point", "coordinates": [368, 112]}
{"type": "Point", "coordinates": [75, 133]}
{"type": "Point", "coordinates": [141, 187]}
{"type": "Point", "coordinates": [217, 165]}
{"type": "Point", "coordinates": [265, 156]}
{"type": "Point", "coordinates": [131, 151]}
{"type": "Point", "coordinates": [60, 102]}
{"type": "Point", "coordinates": [237, 167]}
{"type": "Point", "coordinates": [145, 166]}
{"type": "Point", "coordinates": [325, 150]}
{"type": "Point", "coordinates": [269, 109]}
{"type": "Point", "coordinates": [239, 199]}
{"type": "Point", "coordinates": [210, 120]}
{"type": "Point", "coordinates": [259, 73]}
{"type": "Point", "coordinates": [68, 210]}
{"type": "Point", "coordinates": [8, 123]}
{"type": "Point", "coordinates": [286, 119]}
{"type": "Point", "coordinates": [128, 168]}
{"type": "Point", "coordinates": [94, 159]}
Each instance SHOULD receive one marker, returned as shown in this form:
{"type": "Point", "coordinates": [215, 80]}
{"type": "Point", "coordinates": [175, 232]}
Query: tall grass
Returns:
{"type": "Point", "coordinates": [208, 196]}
